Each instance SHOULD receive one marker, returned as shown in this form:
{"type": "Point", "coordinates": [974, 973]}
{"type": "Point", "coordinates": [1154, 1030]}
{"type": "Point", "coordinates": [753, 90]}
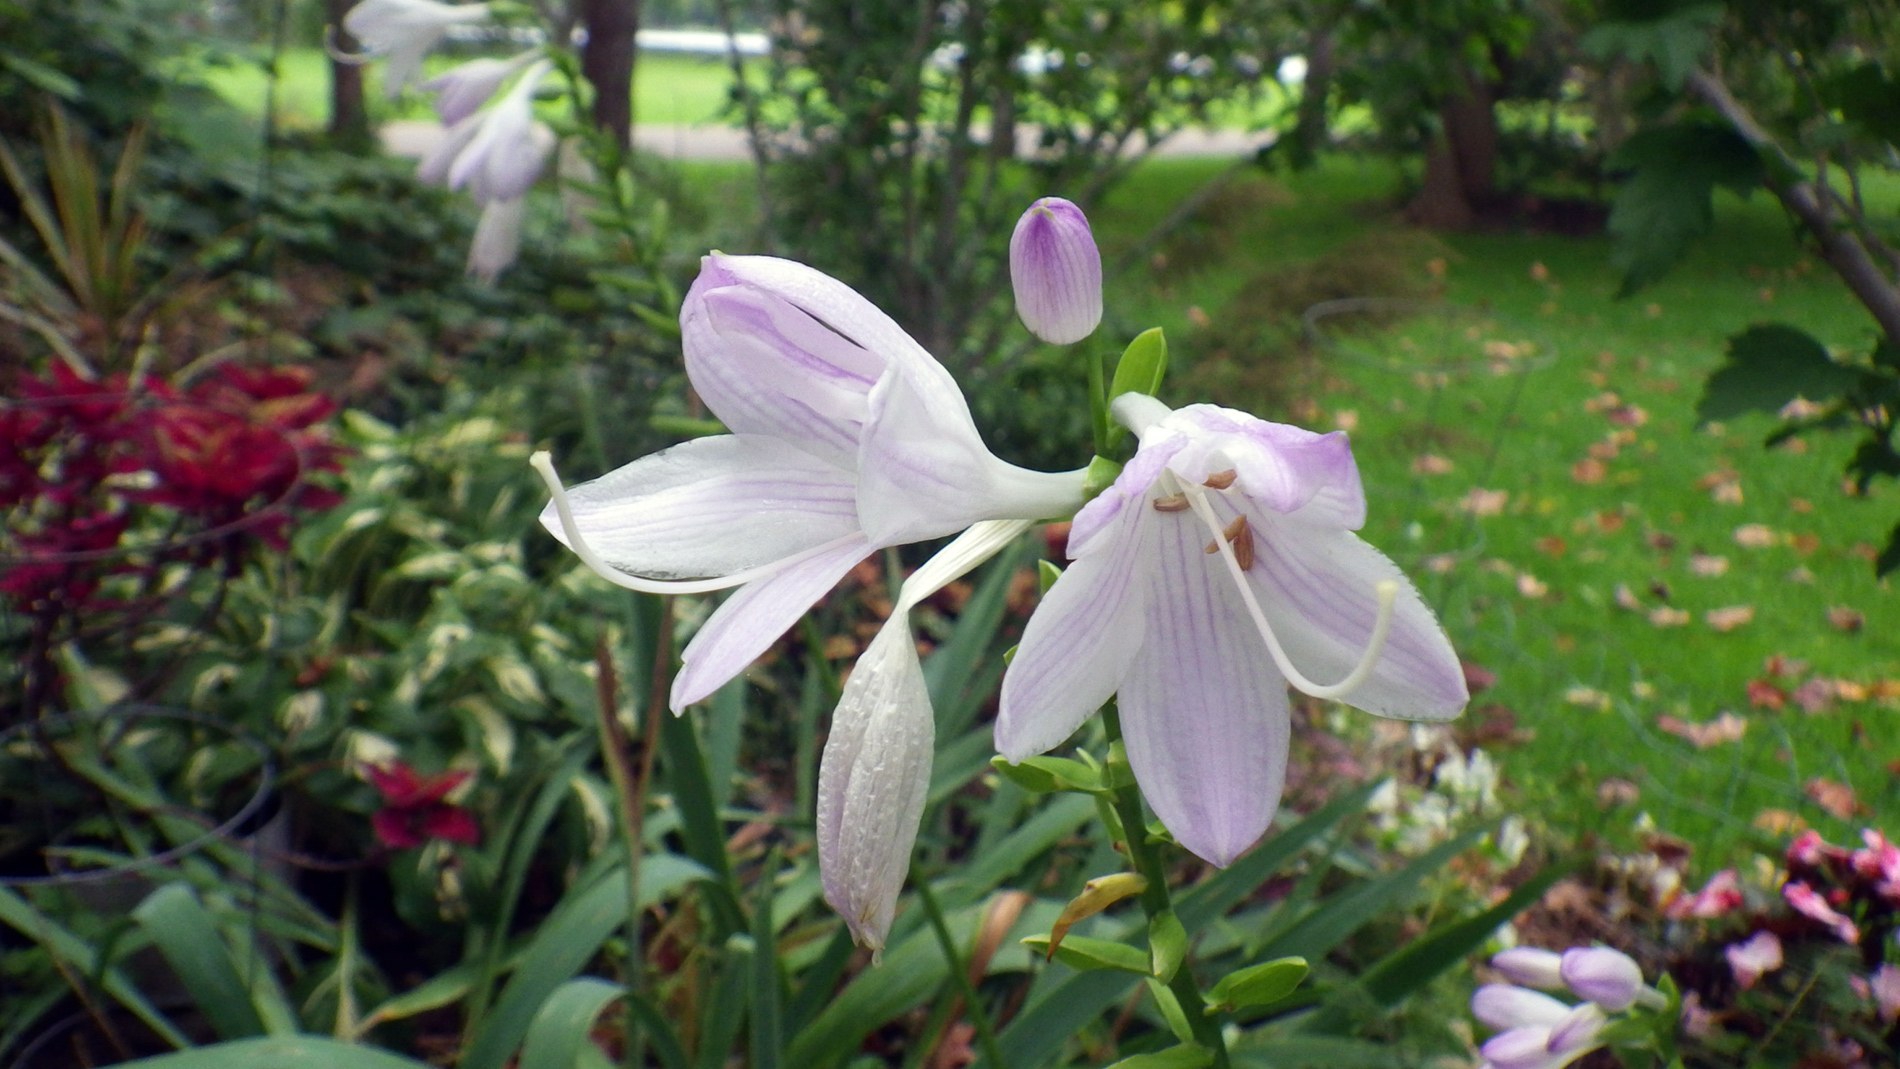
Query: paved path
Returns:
{"type": "Point", "coordinates": [412, 137]}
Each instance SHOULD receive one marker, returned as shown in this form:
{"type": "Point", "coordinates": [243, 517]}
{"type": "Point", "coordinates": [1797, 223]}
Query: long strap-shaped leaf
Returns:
{"type": "Point", "coordinates": [184, 932]}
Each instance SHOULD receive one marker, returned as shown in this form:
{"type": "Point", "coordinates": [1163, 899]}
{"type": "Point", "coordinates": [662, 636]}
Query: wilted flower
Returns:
{"type": "Point", "coordinates": [462, 91]}
{"type": "Point", "coordinates": [876, 768]}
{"type": "Point", "coordinates": [1754, 958]}
{"type": "Point", "coordinates": [415, 809]}
{"type": "Point", "coordinates": [847, 437]}
{"type": "Point", "coordinates": [1223, 534]}
{"type": "Point", "coordinates": [1056, 272]}
{"type": "Point", "coordinates": [405, 30]}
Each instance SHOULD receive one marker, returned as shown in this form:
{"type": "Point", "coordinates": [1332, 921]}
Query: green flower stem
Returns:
{"type": "Point", "coordinates": [1098, 404]}
{"type": "Point", "coordinates": [1156, 900]}
{"type": "Point", "coordinates": [959, 970]}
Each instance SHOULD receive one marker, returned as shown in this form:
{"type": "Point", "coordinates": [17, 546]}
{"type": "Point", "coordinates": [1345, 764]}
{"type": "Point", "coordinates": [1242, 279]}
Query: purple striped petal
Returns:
{"type": "Point", "coordinates": [1284, 468]}
{"type": "Point", "coordinates": [1204, 711]}
{"type": "Point", "coordinates": [711, 507]}
{"type": "Point", "coordinates": [1056, 272]}
{"type": "Point", "coordinates": [765, 367]}
{"type": "Point", "coordinates": [873, 781]}
{"type": "Point", "coordinates": [754, 617]}
{"type": "Point", "coordinates": [1077, 645]}
{"type": "Point", "coordinates": [1134, 486]}
{"type": "Point", "coordinates": [1504, 1006]}
{"type": "Point", "coordinates": [1315, 584]}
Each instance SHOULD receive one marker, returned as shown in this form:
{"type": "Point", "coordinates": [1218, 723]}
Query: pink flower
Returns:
{"type": "Point", "coordinates": [1759, 955]}
{"type": "Point", "coordinates": [1880, 861]}
{"type": "Point", "coordinates": [1808, 901]}
{"type": "Point", "coordinates": [1886, 991]}
{"type": "Point", "coordinates": [1718, 897]}
{"type": "Point", "coordinates": [414, 811]}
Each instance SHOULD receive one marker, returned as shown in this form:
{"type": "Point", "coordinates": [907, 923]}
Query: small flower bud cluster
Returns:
{"type": "Point", "coordinates": [1537, 1031]}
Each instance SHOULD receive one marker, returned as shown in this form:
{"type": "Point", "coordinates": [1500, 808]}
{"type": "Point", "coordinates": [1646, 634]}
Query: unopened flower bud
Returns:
{"type": "Point", "coordinates": [1609, 978]}
{"type": "Point", "coordinates": [1520, 1048]}
{"type": "Point", "coordinates": [1056, 271]}
{"type": "Point", "coordinates": [1578, 1030]}
{"type": "Point", "coordinates": [1505, 1006]}
{"type": "Point", "coordinates": [1531, 967]}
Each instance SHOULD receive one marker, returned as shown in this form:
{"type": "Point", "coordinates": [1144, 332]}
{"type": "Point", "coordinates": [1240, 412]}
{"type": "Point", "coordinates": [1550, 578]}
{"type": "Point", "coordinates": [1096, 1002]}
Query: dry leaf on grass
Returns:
{"type": "Point", "coordinates": [1725, 728]}
{"type": "Point", "coordinates": [1668, 617]}
{"type": "Point", "coordinates": [1837, 798]}
{"type": "Point", "coordinates": [1779, 822]}
{"type": "Point", "coordinates": [1730, 617]}
{"type": "Point", "coordinates": [1430, 464]}
{"type": "Point", "coordinates": [1589, 471]}
{"type": "Point", "coordinates": [1754, 536]}
{"type": "Point", "coordinates": [1481, 502]}
{"type": "Point", "coordinates": [1765, 695]}
{"type": "Point", "coordinates": [1814, 696]}
{"type": "Point", "coordinates": [1529, 586]}
{"type": "Point", "coordinates": [1842, 618]}
{"type": "Point", "coordinates": [1708, 566]}
{"type": "Point", "coordinates": [1627, 599]}
{"type": "Point", "coordinates": [1552, 545]}
{"type": "Point", "coordinates": [1587, 696]}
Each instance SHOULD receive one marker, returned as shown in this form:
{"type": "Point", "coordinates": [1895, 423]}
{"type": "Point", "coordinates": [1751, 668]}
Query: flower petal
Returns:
{"type": "Point", "coordinates": [1077, 645]}
{"type": "Point", "coordinates": [923, 473]}
{"type": "Point", "coordinates": [873, 781]}
{"type": "Point", "coordinates": [497, 238]}
{"type": "Point", "coordinates": [1503, 1006]}
{"type": "Point", "coordinates": [763, 366]}
{"type": "Point", "coordinates": [1204, 711]}
{"type": "Point", "coordinates": [1284, 468]}
{"type": "Point", "coordinates": [754, 617]}
{"type": "Point", "coordinates": [710, 507]}
{"type": "Point", "coordinates": [1315, 583]}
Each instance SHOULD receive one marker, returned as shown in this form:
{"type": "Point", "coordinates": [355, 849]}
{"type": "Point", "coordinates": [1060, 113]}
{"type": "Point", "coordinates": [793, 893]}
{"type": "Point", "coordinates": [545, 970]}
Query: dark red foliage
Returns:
{"type": "Point", "coordinates": [414, 811]}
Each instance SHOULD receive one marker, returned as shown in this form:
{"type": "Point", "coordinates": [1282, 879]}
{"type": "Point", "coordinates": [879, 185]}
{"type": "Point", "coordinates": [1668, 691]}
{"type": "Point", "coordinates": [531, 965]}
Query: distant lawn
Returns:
{"type": "Point", "coordinates": [669, 88]}
{"type": "Point", "coordinates": [1531, 590]}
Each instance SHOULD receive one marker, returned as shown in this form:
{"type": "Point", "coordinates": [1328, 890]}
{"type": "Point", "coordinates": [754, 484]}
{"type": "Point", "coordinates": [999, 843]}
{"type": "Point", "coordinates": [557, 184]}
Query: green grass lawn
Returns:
{"type": "Point", "coordinates": [668, 88]}
{"type": "Point", "coordinates": [1530, 590]}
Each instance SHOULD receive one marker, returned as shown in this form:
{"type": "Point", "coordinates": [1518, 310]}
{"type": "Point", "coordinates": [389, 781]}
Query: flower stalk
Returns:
{"type": "Point", "coordinates": [1156, 900]}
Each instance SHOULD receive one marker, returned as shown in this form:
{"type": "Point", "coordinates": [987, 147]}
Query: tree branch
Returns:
{"type": "Point", "coordinates": [1842, 249]}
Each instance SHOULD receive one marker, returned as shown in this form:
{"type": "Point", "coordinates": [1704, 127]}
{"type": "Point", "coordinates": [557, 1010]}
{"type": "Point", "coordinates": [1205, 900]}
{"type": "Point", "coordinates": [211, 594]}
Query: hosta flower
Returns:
{"type": "Point", "coordinates": [1607, 977]}
{"type": "Point", "coordinates": [847, 437]}
{"type": "Point", "coordinates": [1219, 567]}
{"type": "Point", "coordinates": [405, 30]}
{"type": "Point", "coordinates": [876, 769]}
{"type": "Point", "coordinates": [495, 154]}
{"type": "Point", "coordinates": [1536, 1031]}
{"type": "Point", "coordinates": [1056, 272]}
{"type": "Point", "coordinates": [462, 91]}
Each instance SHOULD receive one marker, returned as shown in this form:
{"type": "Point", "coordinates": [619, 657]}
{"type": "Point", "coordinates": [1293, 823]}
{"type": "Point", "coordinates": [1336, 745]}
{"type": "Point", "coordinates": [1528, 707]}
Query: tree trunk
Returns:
{"type": "Point", "coordinates": [1461, 165]}
{"type": "Point", "coordinates": [349, 119]}
{"type": "Point", "coordinates": [1440, 203]}
{"type": "Point", "coordinates": [1309, 129]}
{"type": "Point", "coordinates": [607, 61]}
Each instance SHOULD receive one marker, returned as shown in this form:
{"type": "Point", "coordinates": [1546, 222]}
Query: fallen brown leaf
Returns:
{"type": "Point", "coordinates": [1765, 695]}
{"type": "Point", "coordinates": [1755, 536]}
{"type": "Point", "coordinates": [1552, 545]}
{"type": "Point", "coordinates": [1708, 566]}
{"type": "Point", "coordinates": [1730, 617]}
{"type": "Point", "coordinates": [1725, 728]}
{"type": "Point", "coordinates": [1842, 618]}
{"type": "Point", "coordinates": [1668, 617]}
{"type": "Point", "coordinates": [1430, 464]}
{"type": "Point", "coordinates": [1589, 471]}
{"type": "Point", "coordinates": [1837, 798]}
{"type": "Point", "coordinates": [1627, 599]}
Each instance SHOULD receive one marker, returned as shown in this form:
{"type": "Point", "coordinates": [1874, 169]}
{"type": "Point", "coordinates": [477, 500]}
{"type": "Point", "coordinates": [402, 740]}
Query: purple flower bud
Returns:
{"type": "Point", "coordinates": [1056, 271]}
{"type": "Point", "coordinates": [1531, 967]}
{"type": "Point", "coordinates": [1503, 1006]}
{"type": "Point", "coordinates": [1606, 977]}
{"type": "Point", "coordinates": [1577, 1032]}
{"type": "Point", "coordinates": [1520, 1048]}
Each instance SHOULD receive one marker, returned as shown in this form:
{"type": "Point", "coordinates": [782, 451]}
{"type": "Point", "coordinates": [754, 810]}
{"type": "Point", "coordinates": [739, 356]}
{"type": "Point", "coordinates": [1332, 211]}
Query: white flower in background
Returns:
{"type": "Point", "coordinates": [497, 238]}
{"type": "Point", "coordinates": [405, 30]}
{"type": "Point", "coordinates": [876, 770]}
{"type": "Point", "coordinates": [462, 91]}
{"type": "Point", "coordinates": [495, 154]}
{"type": "Point", "coordinates": [847, 437]}
{"type": "Point", "coordinates": [1224, 534]}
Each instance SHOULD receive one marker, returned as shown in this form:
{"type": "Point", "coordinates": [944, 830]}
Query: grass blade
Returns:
{"type": "Point", "coordinates": [183, 931]}
{"type": "Point", "coordinates": [562, 1025]}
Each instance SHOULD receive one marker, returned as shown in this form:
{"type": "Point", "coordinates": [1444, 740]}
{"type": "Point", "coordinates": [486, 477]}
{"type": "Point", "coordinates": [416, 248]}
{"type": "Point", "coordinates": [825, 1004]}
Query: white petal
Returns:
{"type": "Point", "coordinates": [434, 168]}
{"type": "Point", "coordinates": [922, 475]}
{"type": "Point", "coordinates": [1503, 1006]}
{"type": "Point", "coordinates": [1204, 711]}
{"type": "Point", "coordinates": [1078, 644]}
{"type": "Point", "coordinates": [497, 240]}
{"type": "Point", "coordinates": [873, 782]}
{"type": "Point", "coordinates": [765, 367]}
{"type": "Point", "coordinates": [711, 506]}
{"type": "Point", "coordinates": [754, 617]}
{"type": "Point", "coordinates": [1315, 584]}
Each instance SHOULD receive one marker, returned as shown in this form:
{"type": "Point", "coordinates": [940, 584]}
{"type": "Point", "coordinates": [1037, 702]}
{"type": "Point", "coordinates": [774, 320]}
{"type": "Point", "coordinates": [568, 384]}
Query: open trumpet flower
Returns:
{"type": "Point", "coordinates": [1219, 568]}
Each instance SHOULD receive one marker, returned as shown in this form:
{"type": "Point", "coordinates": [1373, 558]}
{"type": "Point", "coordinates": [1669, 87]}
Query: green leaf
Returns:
{"type": "Point", "coordinates": [1167, 944]}
{"type": "Point", "coordinates": [1185, 1056]}
{"type": "Point", "coordinates": [1351, 909]}
{"type": "Point", "coordinates": [1101, 474]}
{"type": "Point", "coordinates": [184, 932]}
{"type": "Point", "coordinates": [1142, 366]}
{"type": "Point", "coordinates": [1257, 985]}
{"type": "Point", "coordinates": [280, 1052]}
{"type": "Point", "coordinates": [564, 943]}
{"type": "Point", "coordinates": [1666, 202]}
{"type": "Point", "coordinates": [1869, 98]}
{"type": "Point", "coordinates": [1045, 775]}
{"type": "Point", "coordinates": [1170, 1008]}
{"type": "Point", "coordinates": [726, 1009]}
{"type": "Point", "coordinates": [1259, 1050]}
{"type": "Point", "coordinates": [1047, 572]}
{"type": "Point", "coordinates": [44, 78]}
{"type": "Point", "coordinates": [1768, 366]}
{"type": "Point", "coordinates": [561, 1026]}
{"type": "Point", "coordinates": [1085, 954]}
{"type": "Point", "coordinates": [1675, 43]}
{"type": "Point", "coordinates": [79, 958]}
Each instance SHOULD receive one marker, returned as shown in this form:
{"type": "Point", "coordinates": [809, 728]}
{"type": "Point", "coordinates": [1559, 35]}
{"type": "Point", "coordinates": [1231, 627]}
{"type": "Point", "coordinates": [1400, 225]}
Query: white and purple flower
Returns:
{"type": "Point", "coordinates": [1536, 1031]}
{"type": "Point", "coordinates": [1225, 534]}
{"type": "Point", "coordinates": [846, 437]}
{"type": "Point", "coordinates": [1056, 272]}
{"type": "Point", "coordinates": [404, 31]}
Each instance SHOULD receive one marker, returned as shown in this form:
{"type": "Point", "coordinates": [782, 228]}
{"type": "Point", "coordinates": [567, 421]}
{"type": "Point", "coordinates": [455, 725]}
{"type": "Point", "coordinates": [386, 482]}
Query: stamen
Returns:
{"type": "Point", "coordinates": [1171, 503]}
{"type": "Point", "coordinates": [1386, 590]}
{"type": "Point", "coordinates": [544, 464]}
{"type": "Point", "coordinates": [1221, 480]}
